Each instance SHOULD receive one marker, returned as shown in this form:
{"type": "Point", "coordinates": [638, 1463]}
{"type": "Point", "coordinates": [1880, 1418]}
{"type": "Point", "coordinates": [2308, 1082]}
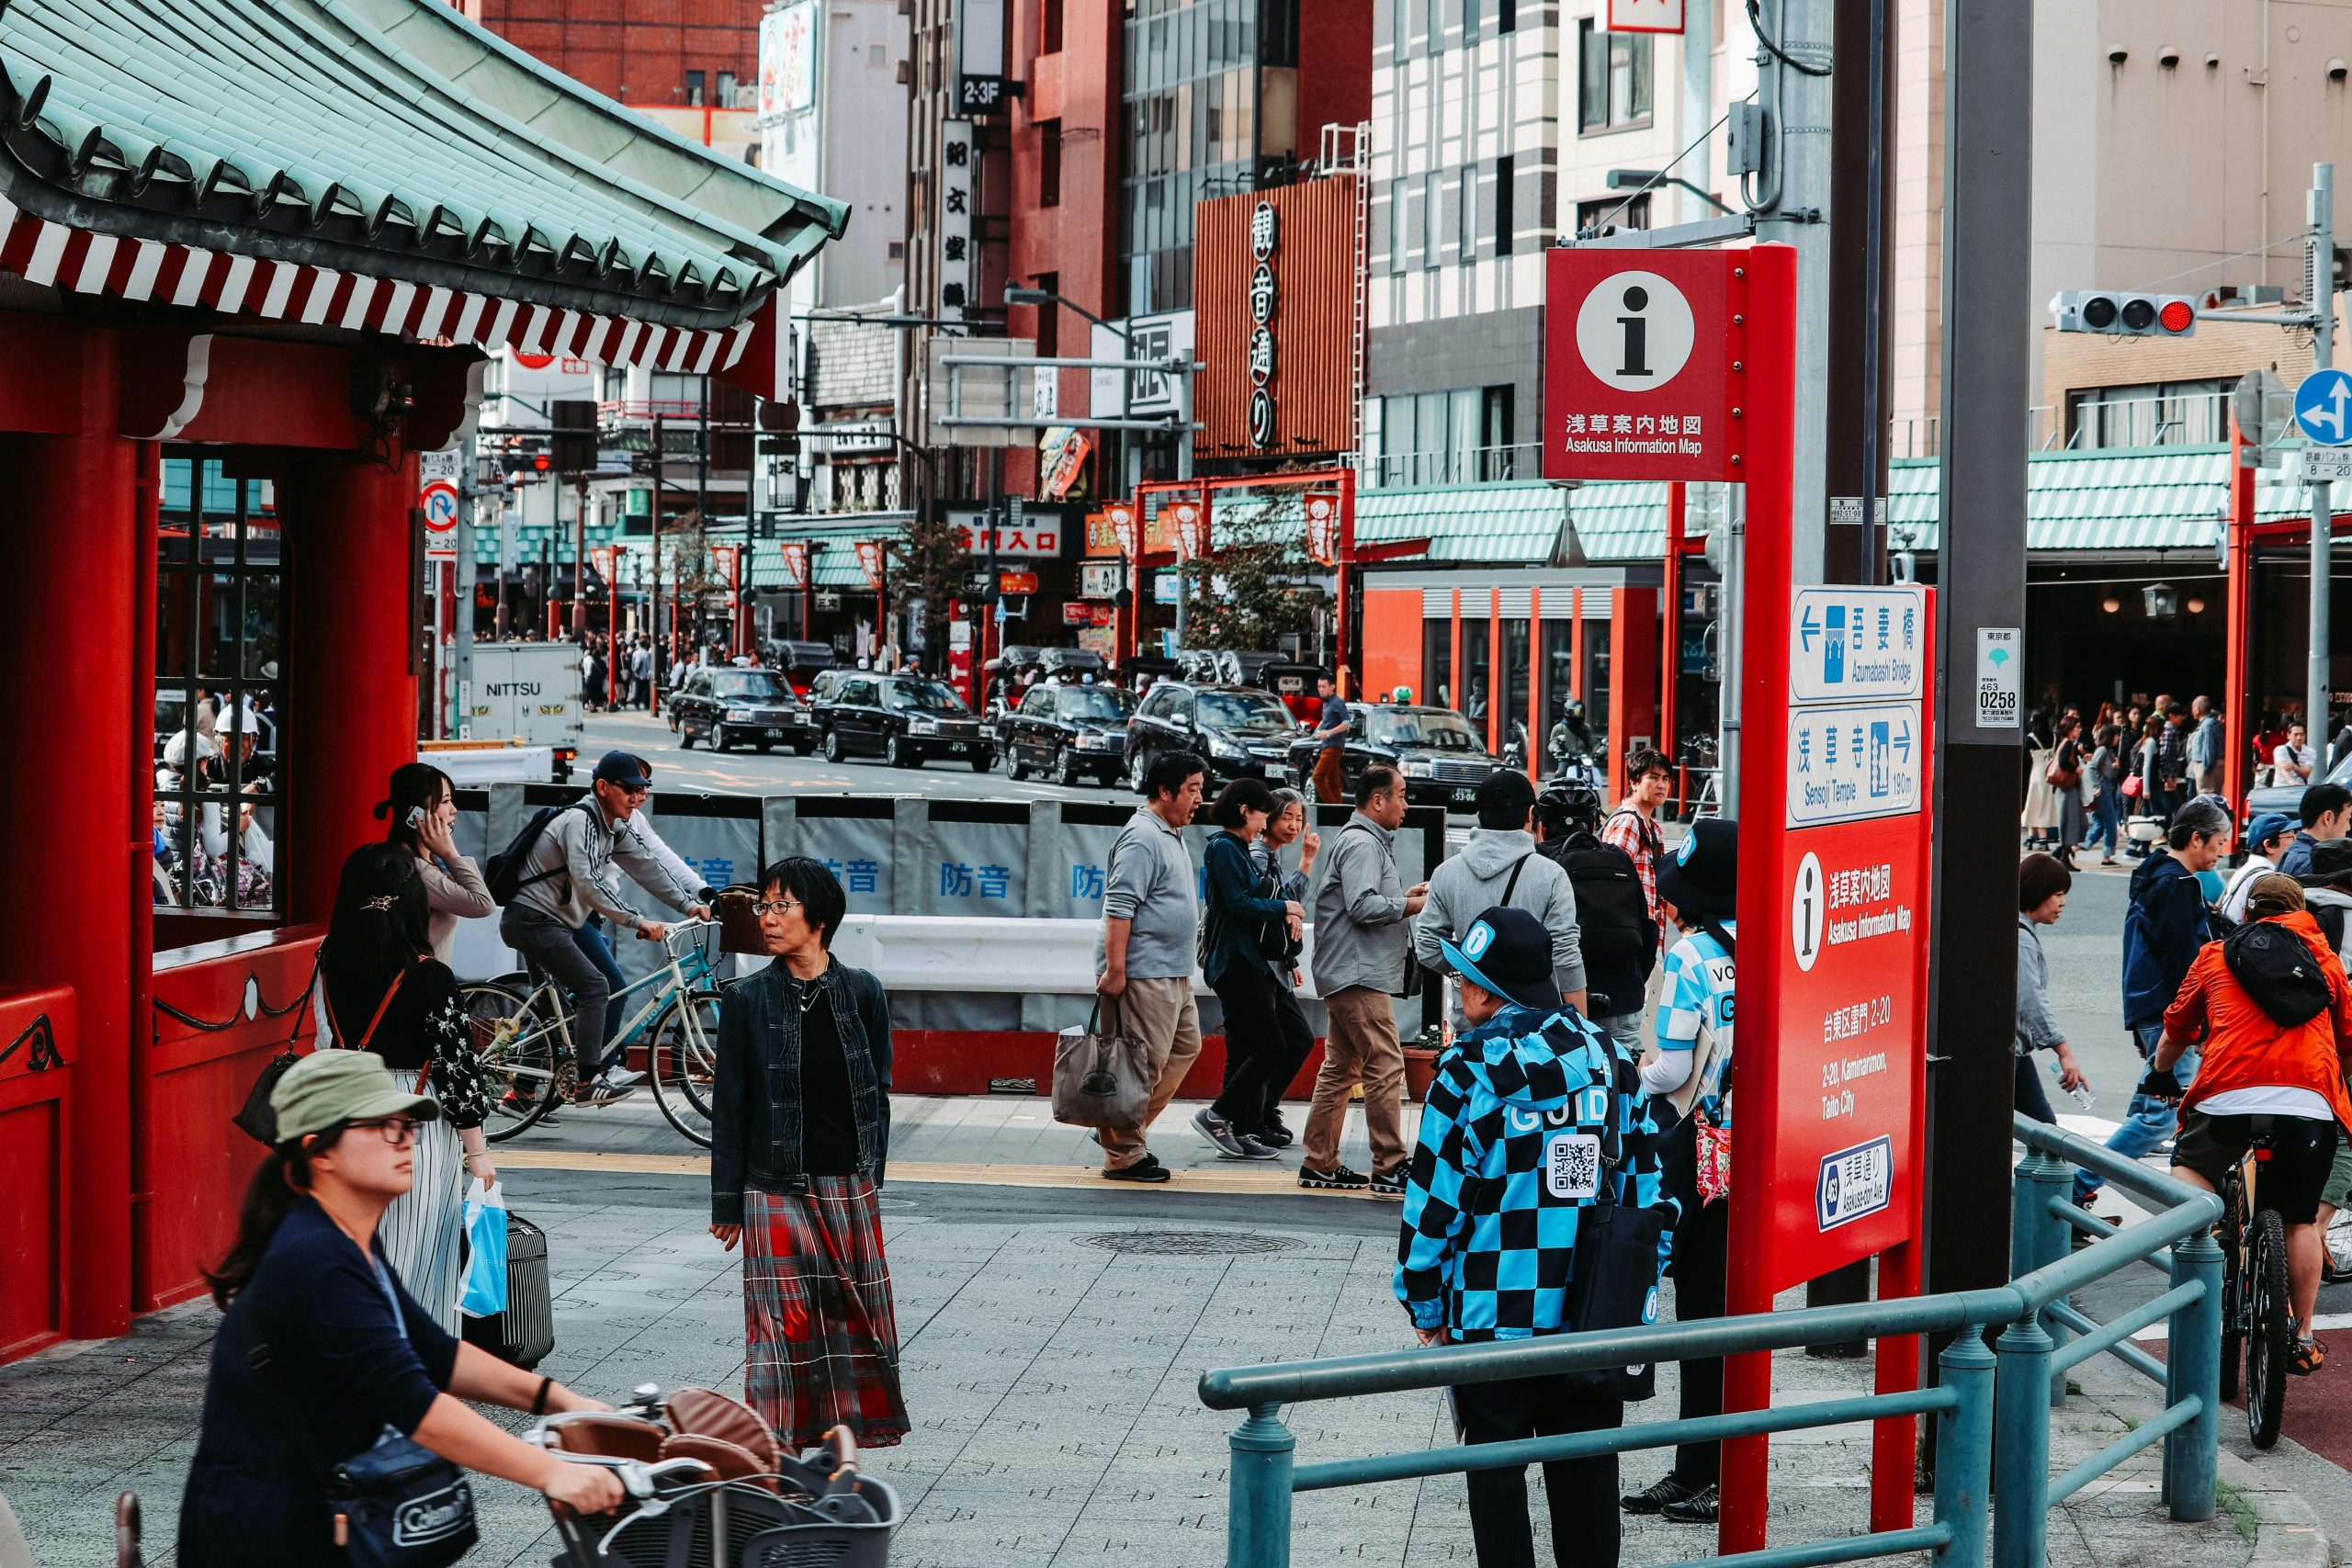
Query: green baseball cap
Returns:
{"type": "Point", "coordinates": [328, 1087]}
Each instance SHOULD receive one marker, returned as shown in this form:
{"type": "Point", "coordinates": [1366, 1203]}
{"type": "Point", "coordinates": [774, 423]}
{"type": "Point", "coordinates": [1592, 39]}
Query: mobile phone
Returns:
{"type": "Point", "coordinates": [415, 817]}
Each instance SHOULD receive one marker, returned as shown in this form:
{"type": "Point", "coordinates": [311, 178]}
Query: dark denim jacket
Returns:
{"type": "Point", "coordinates": [755, 1099]}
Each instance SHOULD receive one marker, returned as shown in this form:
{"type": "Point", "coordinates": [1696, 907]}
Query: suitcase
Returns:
{"type": "Point", "coordinates": [525, 1333]}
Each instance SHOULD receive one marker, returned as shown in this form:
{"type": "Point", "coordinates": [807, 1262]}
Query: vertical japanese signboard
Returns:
{"type": "Point", "coordinates": [958, 256]}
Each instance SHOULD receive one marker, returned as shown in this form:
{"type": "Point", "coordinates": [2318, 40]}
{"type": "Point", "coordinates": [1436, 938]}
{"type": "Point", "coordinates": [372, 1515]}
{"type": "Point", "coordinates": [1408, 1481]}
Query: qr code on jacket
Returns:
{"type": "Point", "coordinates": [1572, 1166]}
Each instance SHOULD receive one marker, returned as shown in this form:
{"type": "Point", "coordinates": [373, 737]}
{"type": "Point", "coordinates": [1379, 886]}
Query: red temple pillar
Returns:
{"type": "Point", "coordinates": [351, 678]}
{"type": "Point", "coordinates": [1633, 675]}
{"type": "Point", "coordinates": [78, 871]}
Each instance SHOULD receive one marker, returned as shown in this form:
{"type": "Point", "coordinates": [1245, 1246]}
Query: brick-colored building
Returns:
{"type": "Point", "coordinates": [646, 53]}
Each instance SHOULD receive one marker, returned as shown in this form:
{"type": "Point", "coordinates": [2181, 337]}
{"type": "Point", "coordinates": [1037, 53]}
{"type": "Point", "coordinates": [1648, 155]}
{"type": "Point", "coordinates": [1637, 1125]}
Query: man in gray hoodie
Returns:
{"type": "Point", "coordinates": [1500, 865]}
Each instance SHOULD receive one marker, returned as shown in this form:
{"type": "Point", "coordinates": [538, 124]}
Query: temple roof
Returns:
{"type": "Point", "coordinates": [384, 140]}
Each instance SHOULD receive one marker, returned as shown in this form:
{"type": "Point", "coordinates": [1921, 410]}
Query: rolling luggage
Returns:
{"type": "Point", "coordinates": [525, 1333]}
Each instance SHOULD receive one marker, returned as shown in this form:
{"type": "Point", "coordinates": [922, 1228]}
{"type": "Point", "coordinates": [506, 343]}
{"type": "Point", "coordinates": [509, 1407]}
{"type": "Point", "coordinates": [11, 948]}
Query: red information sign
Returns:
{"type": "Point", "coordinates": [1646, 365]}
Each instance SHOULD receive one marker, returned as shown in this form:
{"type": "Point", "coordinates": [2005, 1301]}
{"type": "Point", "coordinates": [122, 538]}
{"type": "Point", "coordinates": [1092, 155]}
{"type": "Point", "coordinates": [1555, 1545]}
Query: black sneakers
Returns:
{"type": "Point", "coordinates": [1656, 1495]}
{"type": "Point", "coordinates": [1700, 1509]}
{"type": "Point", "coordinates": [1388, 1183]}
{"type": "Point", "coordinates": [1338, 1178]}
{"type": "Point", "coordinates": [1147, 1169]}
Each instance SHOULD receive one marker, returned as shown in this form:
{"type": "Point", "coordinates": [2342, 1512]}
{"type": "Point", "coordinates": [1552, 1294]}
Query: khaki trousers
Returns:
{"type": "Point", "coordinates": [1162, 1011]}
{"type": "Point", "coordinates": [1361, 1047]}
{"type": "Point", "coordinates": [1331, 783]}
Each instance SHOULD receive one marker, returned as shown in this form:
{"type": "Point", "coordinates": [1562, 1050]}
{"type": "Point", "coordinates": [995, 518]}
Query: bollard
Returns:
{"type": "Point", "coordinates": [2194, 1352]}
{"type": "Point", "coordinates": [2024, 1198]}
{"type": "Point", "coordinates": [2021, 1445]}
{"type": "Point", "coordinates": [1965, 1450]}
{"type": "Point", "coordinates": [1257, 1529]}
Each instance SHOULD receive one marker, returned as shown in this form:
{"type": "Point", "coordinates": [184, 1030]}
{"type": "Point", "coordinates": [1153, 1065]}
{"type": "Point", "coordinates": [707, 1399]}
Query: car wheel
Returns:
{"type": "Point", "coordinates": [718, 741]}
{"type": "Point", "coordinates": [832, 745]}
{"type": "Point", "coordinates": [1137, 766]}
{"type": "Point", "coordinates": [894, 751]}
{"type": "Point", "coordinates": [1015, 768]}
{"type": "Point", "coordinates": [1066, 767]}
{"type": "Point", "coordinates": [983, 762]}
{"type": "Point", "coordinates": [685, 739]}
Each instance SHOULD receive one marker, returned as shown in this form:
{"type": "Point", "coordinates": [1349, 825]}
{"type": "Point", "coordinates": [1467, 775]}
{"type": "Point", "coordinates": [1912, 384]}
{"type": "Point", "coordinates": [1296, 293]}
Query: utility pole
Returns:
{"type": "Point", "coordinates": [2320, 269]}
{"type": "Point", "coordinates": [580, 560]}
{"type": "Point", "coordinates": [654, 640]}
{"type": "Point", "coordinates": [466, 572]}
{"type": "Point", "coordinates": [1795, 46]}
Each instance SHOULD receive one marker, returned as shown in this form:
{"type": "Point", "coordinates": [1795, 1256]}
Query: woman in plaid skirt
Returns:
{"type": "Point", "coordinates": [800, 1129]}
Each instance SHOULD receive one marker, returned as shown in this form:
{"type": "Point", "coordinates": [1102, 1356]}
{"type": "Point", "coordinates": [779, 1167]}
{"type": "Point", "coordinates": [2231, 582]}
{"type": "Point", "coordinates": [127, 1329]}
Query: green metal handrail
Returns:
{"type": "Point", "coordinates": [2008, 1389]}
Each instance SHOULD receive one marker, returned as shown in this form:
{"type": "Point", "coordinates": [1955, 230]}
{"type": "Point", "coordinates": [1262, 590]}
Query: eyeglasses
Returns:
{"type": "Point", "coordinates": [398, 1131]}
{"type": "Point", "coordinates": [777, 906]}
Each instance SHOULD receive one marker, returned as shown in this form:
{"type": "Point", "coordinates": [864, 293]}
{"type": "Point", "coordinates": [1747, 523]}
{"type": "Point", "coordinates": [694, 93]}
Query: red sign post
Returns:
{"type": "Point", "coordinates": [1646, 366]}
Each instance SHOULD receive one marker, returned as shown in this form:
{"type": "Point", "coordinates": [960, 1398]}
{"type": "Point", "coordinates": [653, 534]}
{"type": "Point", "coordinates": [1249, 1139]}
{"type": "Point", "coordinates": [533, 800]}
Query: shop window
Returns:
{"type": "Point", "coordinates": [221, 620]}
{"type": "Point", "coordinates": [1612, 78]}
{"type": "Point", "coordinates": [694, 89]}
{"type": "Point", "coordinates": [1437, 662]}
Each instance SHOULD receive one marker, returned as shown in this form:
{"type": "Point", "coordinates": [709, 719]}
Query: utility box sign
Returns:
{"type": "Point", "coordinates": [1644, 359]}
{"type": "Point", "coordinates": [2000, 681]}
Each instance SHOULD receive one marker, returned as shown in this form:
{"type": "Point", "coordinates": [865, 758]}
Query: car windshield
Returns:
{"type": "Point", "coordinates": [1097, 704]}
{"type": "Point", "coordinates": [925, 696]}
{"type": "Point", "coordinates": [750, 685]}
{"type": "Point", "coordinates": [1242, 710]}
{"type": "Point", "coordinates": [1430, 731]}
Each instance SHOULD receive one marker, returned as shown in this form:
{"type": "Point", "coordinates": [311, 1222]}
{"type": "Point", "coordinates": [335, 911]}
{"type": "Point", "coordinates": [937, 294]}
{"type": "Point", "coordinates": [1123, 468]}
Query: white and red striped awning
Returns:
{"type": "Point", "coordinates": [224, 283]}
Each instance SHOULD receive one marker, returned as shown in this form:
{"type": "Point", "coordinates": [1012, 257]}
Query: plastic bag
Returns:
{"type": "Point", "coordinates": [482, 1293]}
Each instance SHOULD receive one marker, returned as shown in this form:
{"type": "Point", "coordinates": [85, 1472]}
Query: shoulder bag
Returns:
{"type": "Point", "coordinates": [256, 1119]}
{"type": "Point", "coordinates": [1616, 1261]}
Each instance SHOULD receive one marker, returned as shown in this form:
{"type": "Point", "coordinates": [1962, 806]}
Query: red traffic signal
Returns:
{"type": "Point", "coordinates": [540, 462]}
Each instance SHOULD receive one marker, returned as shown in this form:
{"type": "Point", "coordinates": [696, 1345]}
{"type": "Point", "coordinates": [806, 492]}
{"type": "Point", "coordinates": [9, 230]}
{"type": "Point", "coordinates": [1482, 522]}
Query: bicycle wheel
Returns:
{"type": "Point", "coordinates": [2232, 1239]}
{"type": "Point", "coordinates": [682, 1057]}
{"type": "Point", "coordinates": [2270, 1339]}
{"type": "Point", "coordinates": [515, 1041]}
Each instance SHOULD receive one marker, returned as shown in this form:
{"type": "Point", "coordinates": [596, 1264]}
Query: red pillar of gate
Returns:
{"type": "Point", "coordinates": [2238, 554]}
{"type": "Point", "coordinates": [351, 687]}
{"type": "Point", "coordinates": [1633, 675]}
{"type": "Point", "coordinates": [73, 562]}
{"type": "Point", "coordinates": [1454, 696]}
{"type": "Point", "coordinates": [1494, 671]}
{"type": "Point", "coordinates": [1535, 683]}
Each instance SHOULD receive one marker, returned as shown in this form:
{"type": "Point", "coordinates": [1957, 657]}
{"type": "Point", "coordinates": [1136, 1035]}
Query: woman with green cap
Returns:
{"type": "Point", "coordinates": [321, 1350]}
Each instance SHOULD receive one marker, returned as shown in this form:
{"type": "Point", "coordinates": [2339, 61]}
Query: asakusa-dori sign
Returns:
{"type": "Point", "coordinates": [1644, 365]}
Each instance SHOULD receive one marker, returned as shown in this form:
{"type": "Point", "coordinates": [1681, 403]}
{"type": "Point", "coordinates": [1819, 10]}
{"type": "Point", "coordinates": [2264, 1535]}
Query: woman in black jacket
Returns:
{"type": "Point", "coordinates": [800, 1130]}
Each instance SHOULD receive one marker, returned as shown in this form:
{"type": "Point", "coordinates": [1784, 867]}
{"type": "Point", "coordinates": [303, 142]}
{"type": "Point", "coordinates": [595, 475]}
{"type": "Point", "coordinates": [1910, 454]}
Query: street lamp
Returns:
{"type": "Point", "coordinates": [1643, 179]}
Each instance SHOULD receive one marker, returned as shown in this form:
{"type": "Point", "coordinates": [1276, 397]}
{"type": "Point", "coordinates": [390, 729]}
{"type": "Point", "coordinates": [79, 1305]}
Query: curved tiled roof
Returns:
{"type": "Point", "coordinates": [384, 138]}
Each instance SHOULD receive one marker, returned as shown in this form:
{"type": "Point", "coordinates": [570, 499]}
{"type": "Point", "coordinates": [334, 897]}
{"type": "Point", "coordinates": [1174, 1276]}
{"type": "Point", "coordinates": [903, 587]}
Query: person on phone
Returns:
{"type": "Point", "coordinates": [566, 877]}
{"type": "Point", "coordinates": [420, 810]}
{"type": "Point", "coordinates": [321, 1346]}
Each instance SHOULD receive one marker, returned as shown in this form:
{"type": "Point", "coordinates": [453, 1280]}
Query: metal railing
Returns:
{"type": "Point", "coordinates": [1453, 465]}
{"type": "Point", "coordinates": [2007, 1389]}
{"type": "Point", "coordinates": [2170, 419]}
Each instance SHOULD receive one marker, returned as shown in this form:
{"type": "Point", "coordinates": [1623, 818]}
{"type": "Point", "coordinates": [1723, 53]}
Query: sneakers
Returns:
{"type": "Point", "coordinates": [1699, 1508]}
{"type": "Point", "coordinates": [1274, 1136]}
{"type": "Point", "coordinates": [1338, 1178]}
{"type": "Point", "coordinates": [1388, 1183]}
{"type": "Point", "coordinates": [1232, 1145]}
{"type": "Point", "coordinates": [603, 1091]}
{"type": "Point", "coordinates": [1147, 1169]}
{"type": "Point", "coordinates": [622, 1077]}
{"type": "Point", "coordinates": [1655, 1496]}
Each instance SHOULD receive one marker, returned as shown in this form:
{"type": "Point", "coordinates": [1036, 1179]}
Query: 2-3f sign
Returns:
{"type": "Point", "coordinates": [1644, 357]}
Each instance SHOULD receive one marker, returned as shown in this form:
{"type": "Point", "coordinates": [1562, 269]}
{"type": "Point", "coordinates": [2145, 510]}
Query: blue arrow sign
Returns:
{"type": "Point", "coordinates": [1903, 740]}
{"type": "Point", "coordinates": [2324, 407]}
{"type": "Point", "coordinates": [1809, 628]}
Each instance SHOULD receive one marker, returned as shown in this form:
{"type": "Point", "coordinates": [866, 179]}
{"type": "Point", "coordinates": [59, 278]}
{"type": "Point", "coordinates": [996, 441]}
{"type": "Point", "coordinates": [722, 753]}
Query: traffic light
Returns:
{"type": "Point", "coordinates": [572, 435]}
{"type": "Point", "coordinates": [2125, 315]}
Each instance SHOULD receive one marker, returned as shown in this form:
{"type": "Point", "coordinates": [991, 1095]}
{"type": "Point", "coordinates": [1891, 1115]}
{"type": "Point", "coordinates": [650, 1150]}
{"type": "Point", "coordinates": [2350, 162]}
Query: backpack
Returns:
{"type": "Point", "coordinates": [1613, 920]}
{"type": "Point", "coordinates": [503, 875]}
{"type": "Point", "coordinates": [2277, 971]}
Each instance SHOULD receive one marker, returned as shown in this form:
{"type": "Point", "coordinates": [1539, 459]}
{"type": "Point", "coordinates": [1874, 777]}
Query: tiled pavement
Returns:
{"type": "Point", "coordinates": [1050, 1371]}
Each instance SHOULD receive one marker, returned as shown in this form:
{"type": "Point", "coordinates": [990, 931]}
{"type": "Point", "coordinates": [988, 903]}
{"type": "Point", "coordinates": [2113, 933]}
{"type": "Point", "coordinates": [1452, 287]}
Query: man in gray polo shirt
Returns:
{"type": "Point", "coordinates": [1143, 961]}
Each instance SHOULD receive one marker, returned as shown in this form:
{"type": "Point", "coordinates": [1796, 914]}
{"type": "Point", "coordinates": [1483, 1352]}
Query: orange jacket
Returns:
{"type": "Point", "coordinates": [2245, 1048]}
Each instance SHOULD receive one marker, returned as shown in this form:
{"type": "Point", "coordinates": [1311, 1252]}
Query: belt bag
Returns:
{"type": "Point", "coordinates": [1613, 1281]}
{"type": "Point", "coordinates": [399, 1505]}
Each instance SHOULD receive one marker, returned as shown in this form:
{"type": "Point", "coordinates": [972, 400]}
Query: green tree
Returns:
{"type": "Point", "coordinates": [927, 560]}
{"type": "Point", "coordinates": [1257, 586]}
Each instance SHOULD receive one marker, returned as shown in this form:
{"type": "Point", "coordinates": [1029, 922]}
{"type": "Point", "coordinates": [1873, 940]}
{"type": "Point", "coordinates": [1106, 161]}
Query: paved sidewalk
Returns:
{"type": "Point", "coordinates": [1052, 1342]}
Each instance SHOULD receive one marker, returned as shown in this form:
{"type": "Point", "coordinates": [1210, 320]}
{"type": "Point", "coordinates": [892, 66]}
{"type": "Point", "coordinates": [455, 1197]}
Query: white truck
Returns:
{"type": "Point", "coordinates": [526, 695]}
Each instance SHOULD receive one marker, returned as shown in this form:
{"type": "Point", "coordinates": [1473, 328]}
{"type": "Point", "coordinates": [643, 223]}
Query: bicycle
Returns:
{"type": "Point", "coordinates": [526, 1038]}
{"type": "Point", "coordinates": [2258, 1310]}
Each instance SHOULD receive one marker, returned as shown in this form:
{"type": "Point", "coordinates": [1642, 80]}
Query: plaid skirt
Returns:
{"type": "Point", "coordinates": [823, 1339]}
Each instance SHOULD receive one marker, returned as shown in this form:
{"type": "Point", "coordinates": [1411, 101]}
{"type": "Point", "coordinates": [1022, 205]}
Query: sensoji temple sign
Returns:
{"type": "Point", "coordinates": [252, 259]}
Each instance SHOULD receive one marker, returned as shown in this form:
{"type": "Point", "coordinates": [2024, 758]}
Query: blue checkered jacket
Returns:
{"type": "Point", "coordinates": [1511, 1155]}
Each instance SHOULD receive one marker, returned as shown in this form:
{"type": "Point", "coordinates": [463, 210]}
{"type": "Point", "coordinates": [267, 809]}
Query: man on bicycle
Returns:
{"type": "Point", "coordinates": [2263, 1073]}
{"type": "Point", "coordinates": [566, 878]}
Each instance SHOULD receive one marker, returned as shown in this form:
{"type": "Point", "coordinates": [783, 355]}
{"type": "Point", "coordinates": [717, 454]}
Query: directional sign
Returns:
{"type": "Point", "coordinates": [439, 500]}
{"type": "Point", "coordinates": [1846, 644]}
{"type": "Point", "coordinates": [1846, 763]}
{"type": "Point", "coordinates": [1854, 1183]}
{"type": "Point", "coordinates": [2324, 407]}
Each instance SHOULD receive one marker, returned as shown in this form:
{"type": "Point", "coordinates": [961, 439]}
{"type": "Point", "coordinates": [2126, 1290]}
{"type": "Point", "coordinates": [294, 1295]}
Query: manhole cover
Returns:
{"type": "Point", "coordinates": [1189, 1244]}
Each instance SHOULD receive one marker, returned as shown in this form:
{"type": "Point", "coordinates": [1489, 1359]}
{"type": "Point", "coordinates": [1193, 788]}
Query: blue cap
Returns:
{"type": "Point", "coordinates": [623, 768]}
{"type": "Point", "coordinates": [2267, 826]}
